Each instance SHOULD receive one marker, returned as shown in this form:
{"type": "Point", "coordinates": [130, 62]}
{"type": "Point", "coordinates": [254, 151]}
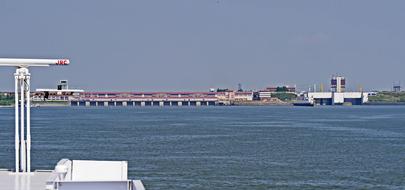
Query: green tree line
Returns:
{"type": "Point", "coordinates": [6, 100]}
{"type": "Point", "coordinates": [388, 97]}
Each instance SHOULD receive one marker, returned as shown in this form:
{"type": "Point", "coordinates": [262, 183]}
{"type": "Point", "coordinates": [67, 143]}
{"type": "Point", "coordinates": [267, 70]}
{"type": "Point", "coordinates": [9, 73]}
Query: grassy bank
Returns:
{"type": "Point", "coordinates": [285, 97]}
{"type": "Point", "coordinates": [6, 100]}
{"type": "Point", "coordinates": [388, 97]}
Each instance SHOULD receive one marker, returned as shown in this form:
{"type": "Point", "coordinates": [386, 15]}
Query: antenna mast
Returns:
{"type": "Point", "coordinates": [22, 84]}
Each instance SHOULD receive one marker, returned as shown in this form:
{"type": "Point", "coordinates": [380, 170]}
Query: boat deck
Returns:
{"type": "Point", "coordinates": [20, 181]}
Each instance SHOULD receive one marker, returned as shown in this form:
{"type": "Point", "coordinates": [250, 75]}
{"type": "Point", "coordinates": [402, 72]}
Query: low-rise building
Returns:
{"type": "Point", "coordinates": [243, 96]}
{"type": "Point", "coordinates": [264, 94]}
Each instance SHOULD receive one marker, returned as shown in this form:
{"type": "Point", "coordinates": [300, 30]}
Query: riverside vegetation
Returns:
{"type": "Point", "coordinates": [388, 97]}
{"type": "Point", "coordinates": [284, 96]}
{"type": "Point", "coordinates": [6, 100]}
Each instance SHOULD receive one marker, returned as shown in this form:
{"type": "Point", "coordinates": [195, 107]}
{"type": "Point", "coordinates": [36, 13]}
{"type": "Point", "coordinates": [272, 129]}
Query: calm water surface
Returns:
{"type": "Point", "coordinates": [226, 147]}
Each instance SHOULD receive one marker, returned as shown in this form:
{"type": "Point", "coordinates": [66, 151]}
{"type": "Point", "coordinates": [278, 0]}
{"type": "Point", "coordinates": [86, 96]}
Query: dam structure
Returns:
{"type": "Point", "coordinates": [63, 95]}
{"type": "Point", "coordinates": [144, 99]}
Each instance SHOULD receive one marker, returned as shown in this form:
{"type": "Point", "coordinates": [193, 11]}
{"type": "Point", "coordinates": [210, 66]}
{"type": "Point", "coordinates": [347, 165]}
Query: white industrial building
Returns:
{"type": "Point", "coordinates": [336, 98]}
{"type": "Point", "coordinates": [337, 95]}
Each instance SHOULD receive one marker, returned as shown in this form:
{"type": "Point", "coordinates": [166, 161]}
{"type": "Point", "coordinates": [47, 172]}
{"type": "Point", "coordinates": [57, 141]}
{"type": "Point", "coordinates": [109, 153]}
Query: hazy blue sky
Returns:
{"type": "Point", "coordinates": [199, 44]}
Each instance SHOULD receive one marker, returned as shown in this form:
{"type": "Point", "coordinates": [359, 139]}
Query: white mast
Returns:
{"type": "Point", "coordinates": [22, 80]}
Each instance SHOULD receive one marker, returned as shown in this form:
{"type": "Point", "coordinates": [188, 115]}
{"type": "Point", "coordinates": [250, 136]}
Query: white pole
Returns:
{"type": "Point", "coordinates": [28, 123]}
{"type": "Point", "coordinates": [17, 139]}
{"type": "Point", "coordinates": [23, 160]}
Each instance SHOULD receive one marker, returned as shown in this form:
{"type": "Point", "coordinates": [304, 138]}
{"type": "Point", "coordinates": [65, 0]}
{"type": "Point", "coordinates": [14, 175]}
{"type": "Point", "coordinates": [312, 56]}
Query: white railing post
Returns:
{"type": "Point", "coordinates": [28, 122]}
{"type": "Point", "coordinates": [17, 138]}
{"type": "Point", "coordinates": [22, 122]}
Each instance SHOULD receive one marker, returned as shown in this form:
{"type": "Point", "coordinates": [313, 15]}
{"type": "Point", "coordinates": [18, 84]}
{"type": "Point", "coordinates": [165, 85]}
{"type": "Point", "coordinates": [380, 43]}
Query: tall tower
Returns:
{"type": "Point", "coordinates": [396, 87]}
{"type": "Point", "coordinates": [63, 85]}
{"type": "Point", "coordinates": [338, 84]}
{"type": "Point", "coordinates": [240, 89]}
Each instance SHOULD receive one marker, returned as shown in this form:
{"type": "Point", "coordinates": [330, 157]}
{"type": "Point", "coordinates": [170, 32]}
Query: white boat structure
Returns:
{"type": "Point", "coordinates": [68, 174]}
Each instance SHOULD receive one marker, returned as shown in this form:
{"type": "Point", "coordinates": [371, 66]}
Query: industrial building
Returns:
{"type": "Point", "coordinates": [338, 84]}
{"type": "Point", "coordinates": [266, 94]}
{"type": "Point", "coordinates": [61, 93]}
{"type": "Point", "coordinates": [396, 87]}
{"type": "Point", "coordinates": [229, 97]}
{"type": "Point", "coordinates": [337, 96]}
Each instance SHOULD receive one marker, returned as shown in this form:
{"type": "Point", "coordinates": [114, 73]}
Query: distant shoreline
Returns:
{"type": "Point", "coordinates": [233, 105]}
{"type": "Point", "coordinates": [385, 104]}
{"type": "Point", "coordinates": [36, 104]}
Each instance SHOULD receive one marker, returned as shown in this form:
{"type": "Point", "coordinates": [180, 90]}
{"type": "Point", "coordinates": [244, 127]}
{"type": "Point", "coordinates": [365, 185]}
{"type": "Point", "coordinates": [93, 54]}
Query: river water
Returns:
{"type": "Point", "coordinates": [358, 147]}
